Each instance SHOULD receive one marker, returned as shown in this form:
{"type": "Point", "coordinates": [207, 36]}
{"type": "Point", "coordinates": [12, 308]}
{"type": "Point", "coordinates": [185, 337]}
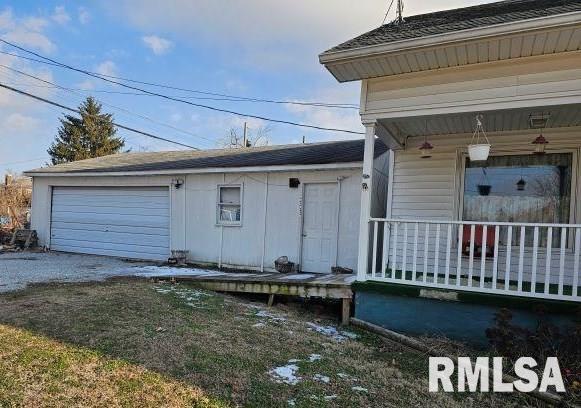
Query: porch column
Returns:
{"type": "Point", "coordinates": [366, 186]}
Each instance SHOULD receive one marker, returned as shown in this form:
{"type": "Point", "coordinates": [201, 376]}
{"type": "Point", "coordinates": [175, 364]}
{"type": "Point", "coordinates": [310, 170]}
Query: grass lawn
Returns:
{"type": "Point", "coordinates": [140, 343]}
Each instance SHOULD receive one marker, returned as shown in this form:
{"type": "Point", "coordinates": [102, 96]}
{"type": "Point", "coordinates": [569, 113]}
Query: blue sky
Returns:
{"type": "Point", "coordinates": [253, 48]}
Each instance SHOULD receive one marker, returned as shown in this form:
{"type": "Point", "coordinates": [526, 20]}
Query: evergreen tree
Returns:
{"type": "Point", "coordinates": [91, 135]}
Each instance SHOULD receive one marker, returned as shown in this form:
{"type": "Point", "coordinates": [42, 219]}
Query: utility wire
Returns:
{"type": "Point", "coordinates": [54, 85]}
{"type": "Point", "coordinates": [387, 12]}
{"type": "Point", "coordinates": [221, 96]}
{"type": "Point", "coordinates": [94, 75]}
{"type": "Point", "coordinates": [41, 99]}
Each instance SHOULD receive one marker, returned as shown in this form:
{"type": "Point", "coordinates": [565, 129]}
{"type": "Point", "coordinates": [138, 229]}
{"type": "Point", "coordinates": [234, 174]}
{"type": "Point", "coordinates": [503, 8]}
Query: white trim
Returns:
{"type": "Point", "coordinates": [252, 169]}
{"type": "Point", "coordinates": [521, 27]}
{"type": "Point", "coordinates": [265, 222]}
{"type": "Point", "coordinates": [218, 203]}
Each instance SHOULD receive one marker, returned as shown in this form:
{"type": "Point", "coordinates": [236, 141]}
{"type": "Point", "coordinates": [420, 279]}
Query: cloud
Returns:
{"type": "Point", "coordinates": [157, 44]}
{"type": "Point", "coordinates": [18, 122]}
{"type": "Point", "coordinates": [107, 68]}
{"type": "Point", "coordinates": [330, 117]}
{"type": "Point", "coordinates": [27, 31]}
{"type": "Point", "coordinates": [60, 15]}
{"type": "Point", "coordinates": [262, 32]}
{"type": "Point", "coordinates": [84, 15]}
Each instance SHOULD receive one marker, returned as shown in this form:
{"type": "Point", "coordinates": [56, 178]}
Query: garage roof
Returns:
{"type": "Point", "coordinates": [281, 155]}
{"type": "Point", "coordinates": [484, 15]}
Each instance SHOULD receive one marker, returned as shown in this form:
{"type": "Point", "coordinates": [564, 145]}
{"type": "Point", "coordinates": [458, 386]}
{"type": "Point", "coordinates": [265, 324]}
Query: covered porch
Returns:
{"type": "Point", "coordinates": [508, 225]}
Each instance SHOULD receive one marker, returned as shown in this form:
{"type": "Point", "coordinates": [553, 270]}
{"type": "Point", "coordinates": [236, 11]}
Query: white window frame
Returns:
{"type": "Point", "coordinates": [219, 204]}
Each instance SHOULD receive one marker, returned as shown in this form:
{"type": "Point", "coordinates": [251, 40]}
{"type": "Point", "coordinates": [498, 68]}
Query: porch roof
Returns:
{"type": "Point", "coordinates": [482, 15]}
{"type": "Point", "coordinates": [485, 33]}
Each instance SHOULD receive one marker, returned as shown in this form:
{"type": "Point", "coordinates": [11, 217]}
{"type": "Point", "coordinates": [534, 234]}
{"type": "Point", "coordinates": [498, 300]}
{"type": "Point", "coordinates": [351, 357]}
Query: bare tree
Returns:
{"type": "Point", "coordinates": [254, 138]}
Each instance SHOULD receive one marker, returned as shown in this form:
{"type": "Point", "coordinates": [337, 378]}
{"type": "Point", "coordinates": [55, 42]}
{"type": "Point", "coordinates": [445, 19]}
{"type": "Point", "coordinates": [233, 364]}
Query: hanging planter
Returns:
{"type": "Point", "coordinates": [484, 189]}
{"type": "Point", "coordinates": [478, 150]}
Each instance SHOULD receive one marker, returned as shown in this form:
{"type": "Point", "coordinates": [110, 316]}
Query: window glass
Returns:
{"type": "Point", "coordinates": [519, 188]}
{"type": "Point", "coordinates": [229, 205]}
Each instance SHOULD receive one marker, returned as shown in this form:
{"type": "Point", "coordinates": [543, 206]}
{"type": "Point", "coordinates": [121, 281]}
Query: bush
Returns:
{"type": "Point", "coordinates": [546, 340]}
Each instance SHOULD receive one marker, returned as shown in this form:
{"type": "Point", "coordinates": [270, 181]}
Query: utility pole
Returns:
{"type": "Point", "coordinates": [399, 11]}
{"type": "Point", "coordinates": [245, 139]}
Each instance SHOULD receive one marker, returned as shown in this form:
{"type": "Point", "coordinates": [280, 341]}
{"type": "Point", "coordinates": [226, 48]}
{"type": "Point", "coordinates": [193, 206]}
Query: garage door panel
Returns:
{"type": "Point", "coordinates": [111, 237]}
{"type": "Point", "coordinates": [116, 221]}
{"type": "Point", "coordinates": [102, 248]}
{"type": "Point", "coordinates": [111, 191]}
{"type": "Point", "coordinates": [110, 201]}
{"type": "Point", "coordinates": [157, 231]}
{"type": "Point", "coordinates": [106, 210]}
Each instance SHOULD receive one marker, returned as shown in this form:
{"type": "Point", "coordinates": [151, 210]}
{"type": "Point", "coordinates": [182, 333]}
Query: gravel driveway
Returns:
{"type": "Point", "coordinates": [18, 269]}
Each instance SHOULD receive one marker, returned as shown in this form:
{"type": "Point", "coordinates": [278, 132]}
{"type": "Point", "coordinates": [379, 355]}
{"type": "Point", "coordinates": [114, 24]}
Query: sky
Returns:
{"type": "Point", "coordinates": [252, 48]}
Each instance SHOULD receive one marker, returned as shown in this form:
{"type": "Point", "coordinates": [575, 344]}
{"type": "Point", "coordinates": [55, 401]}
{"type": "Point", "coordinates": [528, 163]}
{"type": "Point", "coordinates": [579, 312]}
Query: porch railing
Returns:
{"type": "Point", "coordinates": [519, 259]}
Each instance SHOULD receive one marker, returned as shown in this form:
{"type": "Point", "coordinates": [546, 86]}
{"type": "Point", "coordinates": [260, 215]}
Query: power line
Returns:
{"type": "Point", "coordinates": [219, 96]}
{"type": "Point", "coordinates": [106, 104]}
{"type": "Point", "coordinates": [41, 99]}
{"type": "Point", "coordinates": [387, 12]}
{"type": "Point", "coordinates": [94, 75]}
{"type": "Point", "coordinates": [22, 161]}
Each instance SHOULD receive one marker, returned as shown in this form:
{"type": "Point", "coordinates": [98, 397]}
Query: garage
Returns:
{"type": "Point", "coordinates": [130, 222]}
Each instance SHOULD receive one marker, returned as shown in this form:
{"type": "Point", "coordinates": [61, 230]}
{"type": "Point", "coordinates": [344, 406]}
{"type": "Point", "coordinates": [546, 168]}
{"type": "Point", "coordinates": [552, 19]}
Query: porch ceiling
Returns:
{"type": "Point", "coordinates": [494, 121]}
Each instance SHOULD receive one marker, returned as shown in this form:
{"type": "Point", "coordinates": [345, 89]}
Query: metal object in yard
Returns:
{"type": "Point", "coordinates": [283, 265]}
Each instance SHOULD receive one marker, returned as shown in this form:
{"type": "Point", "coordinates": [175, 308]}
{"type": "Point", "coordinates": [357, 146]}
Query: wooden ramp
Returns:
{"type": "Point", "coordinates": [327, 286]}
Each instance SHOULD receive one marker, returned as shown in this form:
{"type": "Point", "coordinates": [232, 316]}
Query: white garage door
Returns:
{"type": "Point", "coordinates": [118, 221]}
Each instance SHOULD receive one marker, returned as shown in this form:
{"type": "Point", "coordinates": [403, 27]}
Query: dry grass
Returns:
{"type": "Point", "coordinates": [136, 343]}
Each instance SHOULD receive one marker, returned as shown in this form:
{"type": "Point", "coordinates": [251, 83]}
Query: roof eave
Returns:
{"type": "Point", "coordinates": [249, 169]}
{"type": "Point", "coordinates": [328, 58]}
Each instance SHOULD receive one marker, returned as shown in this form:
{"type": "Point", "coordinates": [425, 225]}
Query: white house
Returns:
{"type": "Point", "coordinates": [506, 225]}
{"type": "Point", "coordinates": [240, 208]}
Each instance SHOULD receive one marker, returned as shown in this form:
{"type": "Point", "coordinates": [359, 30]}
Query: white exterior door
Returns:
{"type": "Point", "coordinates": [130, 222]}
{"type": "Point", "coordinates": [319, 235]}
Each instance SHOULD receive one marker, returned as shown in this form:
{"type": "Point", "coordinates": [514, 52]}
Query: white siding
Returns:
{"type": "Point", "coordinates": [193, 223]}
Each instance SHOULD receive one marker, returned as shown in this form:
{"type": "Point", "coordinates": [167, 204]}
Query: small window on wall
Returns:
{"type": "Point", "coordinates": [229, 205]}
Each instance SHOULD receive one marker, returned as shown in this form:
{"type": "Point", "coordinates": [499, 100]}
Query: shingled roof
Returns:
{"type": "Point", "coordinates": [298, 154]}
{"type": "Point", "coordinates": [460, 19]}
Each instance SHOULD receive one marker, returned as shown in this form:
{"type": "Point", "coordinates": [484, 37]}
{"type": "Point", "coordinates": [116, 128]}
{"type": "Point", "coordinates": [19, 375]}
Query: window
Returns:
{"type": "Point", "coordinates": [229, 205]}
{"type": "Point", "coordinates": [519, 188]}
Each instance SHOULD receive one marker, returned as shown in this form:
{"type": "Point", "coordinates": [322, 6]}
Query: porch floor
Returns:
{"type": "Point", "coordinates": [305, 285]}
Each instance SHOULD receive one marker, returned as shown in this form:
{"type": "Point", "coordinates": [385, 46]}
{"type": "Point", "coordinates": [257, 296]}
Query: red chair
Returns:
{"type": "Point", "coordinates": [478, 239]}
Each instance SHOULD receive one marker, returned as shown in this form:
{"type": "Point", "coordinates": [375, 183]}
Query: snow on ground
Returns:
{"type": "Point", "coordinates": [359, 389]}
{"type": "Point", "coordinates": [286, 374]}
{"type": "Point", "coordinates": [192, 297]}
{"type": "Point", "coordinates": [332, 332]}
{"type": "Point", "coordinates": [314, 357]}
{"type": "Point", "coordinates": [299, 276]}
{"type": "Point", "coordinates": [150, 271]}
{"type": "Point", "coordinates": [270, 316]}
{"type": "Point", "coordinates": [321, 378]}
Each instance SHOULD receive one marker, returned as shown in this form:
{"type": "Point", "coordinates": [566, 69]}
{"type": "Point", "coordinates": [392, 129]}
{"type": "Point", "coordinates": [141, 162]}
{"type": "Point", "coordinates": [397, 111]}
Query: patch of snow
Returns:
{"type": "Point", "coordinates": [299, 276]}
{"type": "Point", "coordinates": [192, 297]}
{"type": "Point", "coordinates": [150, 271]}
{"type": "Point", "coordinates": [321, 378]}
{"type": "Point", "coordinates": [359, 389]}
{"type": "Point", "coordinates": [294, 360]}
{"type": "Point", "coordinates": [330, 397]}
{"type": "Point", "coordinates": [347, 377]}
{"type": "Point", "coordinates": [314, 357]}
{"type": "Point", "coordinates": [291, 402]}
{"type": "Point", "coordinates": [286, 374]}
{"type": "Point", "coordinates": [332, 332]}
{"type": "Point", "coordinates": [260, 324]}
{"type": "Point", "coordinates": [270, 316]}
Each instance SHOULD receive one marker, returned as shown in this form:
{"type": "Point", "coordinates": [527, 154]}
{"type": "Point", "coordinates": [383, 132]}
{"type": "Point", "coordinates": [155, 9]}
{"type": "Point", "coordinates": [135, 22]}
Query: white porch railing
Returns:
{"type": "Point", "coordinates": [519, 259]}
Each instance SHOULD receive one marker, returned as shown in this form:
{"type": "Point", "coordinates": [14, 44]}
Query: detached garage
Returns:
{"type": "Point", "coordinates": [240, 208]}
{"type": "Point", "coordinates": [130, 222]}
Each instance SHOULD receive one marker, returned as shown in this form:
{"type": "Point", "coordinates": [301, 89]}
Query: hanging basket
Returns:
{"type": "Point", "coordinates": [479, 152]}
{"type": "Point", "coordinates": [484, 189]}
